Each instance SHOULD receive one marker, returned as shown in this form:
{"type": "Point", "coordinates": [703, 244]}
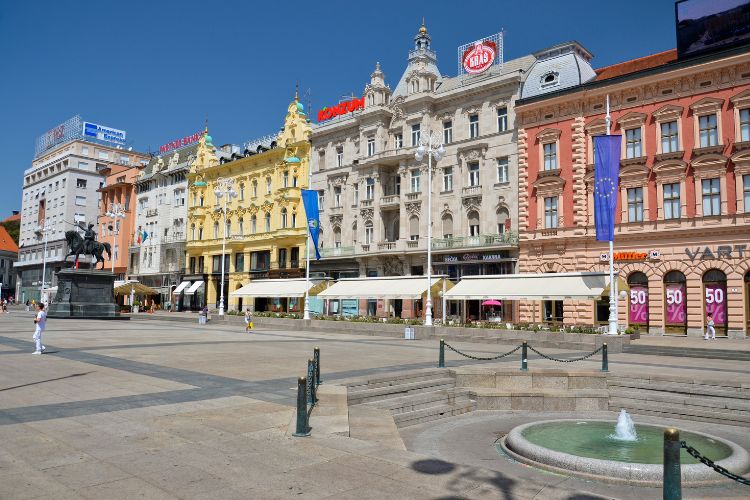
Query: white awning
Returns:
{"type": "Point", "coordinates": [194, 287]}
{"type": "Point", "coordinates": [181, 287]}
{"type": "Point", "coordinates": [295, 287]}
{"type": "Point", "coordinates": [547, 286]}
{"type": "Point", "coordinates": [399, 287]}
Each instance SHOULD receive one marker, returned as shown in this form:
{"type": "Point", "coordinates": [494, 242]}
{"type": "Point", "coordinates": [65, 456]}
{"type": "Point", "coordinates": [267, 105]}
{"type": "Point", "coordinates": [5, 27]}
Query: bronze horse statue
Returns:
{"type": "Point", "coordinates": [77, 246]}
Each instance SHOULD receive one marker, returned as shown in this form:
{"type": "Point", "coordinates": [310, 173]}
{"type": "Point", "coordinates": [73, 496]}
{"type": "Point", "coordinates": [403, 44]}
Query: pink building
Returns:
{"type": "Point", "coordinates": [118, 231]}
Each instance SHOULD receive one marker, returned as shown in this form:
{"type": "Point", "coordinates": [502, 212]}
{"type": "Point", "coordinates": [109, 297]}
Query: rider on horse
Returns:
{"type": "Point", "coordinates": [89, 240]}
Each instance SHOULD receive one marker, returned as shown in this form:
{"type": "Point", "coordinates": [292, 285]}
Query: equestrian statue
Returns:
{"type": "Point", "coordinates": [87, 245]}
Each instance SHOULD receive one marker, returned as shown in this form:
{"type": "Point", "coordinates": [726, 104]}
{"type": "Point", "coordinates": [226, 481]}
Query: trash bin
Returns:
{"type": "Point", "coordinates": [409, 333]}
{"type": "Point", "coordinates": [201, 319]}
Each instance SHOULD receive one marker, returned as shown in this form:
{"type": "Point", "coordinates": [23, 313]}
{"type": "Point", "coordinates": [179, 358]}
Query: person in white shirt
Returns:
{"type": "Point", "coordinates": [41, 322]}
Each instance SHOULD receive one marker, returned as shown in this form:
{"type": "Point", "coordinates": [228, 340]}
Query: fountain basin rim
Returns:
{"type": "Point", "coordinates": [612, 471]}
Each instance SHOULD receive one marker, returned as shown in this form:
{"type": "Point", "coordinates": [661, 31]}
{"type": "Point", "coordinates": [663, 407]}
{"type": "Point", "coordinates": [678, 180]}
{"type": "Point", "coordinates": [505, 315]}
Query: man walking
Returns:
{"type": "Point", "coordinates": [248, 320]}
{"type": "Point", "coordinates": [41, 322]}
{"type": "Point", "coordinates": [710, 327]}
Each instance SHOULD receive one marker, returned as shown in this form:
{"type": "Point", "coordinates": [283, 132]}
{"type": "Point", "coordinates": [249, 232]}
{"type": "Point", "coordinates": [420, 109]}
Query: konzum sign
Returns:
{"type": "Point", "coordinates": [480, 57]}
{"type": "Point", "coordinates": [341, 109]}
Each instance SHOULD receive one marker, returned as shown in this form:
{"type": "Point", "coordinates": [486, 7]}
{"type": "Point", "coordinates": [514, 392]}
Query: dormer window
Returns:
{"type": "Point", "coordinates": [550, 79]}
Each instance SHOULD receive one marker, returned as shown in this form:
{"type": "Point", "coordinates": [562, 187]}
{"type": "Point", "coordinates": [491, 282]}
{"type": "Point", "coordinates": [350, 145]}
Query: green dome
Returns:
{"type": "Point", "coordinates": [293, 159]}
{"type": "Point", "coordinates": [300, 107]}
{"type": "Point", "coordinates": [209, 140]}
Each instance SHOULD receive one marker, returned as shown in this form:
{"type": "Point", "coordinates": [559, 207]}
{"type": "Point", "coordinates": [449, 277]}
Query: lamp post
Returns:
{"type": "Point", "coordinates": [224, 189]}
{"type": "Point", "coordinates": [45, 229]}
{"type": "Point", "coordinates": [116, 211]}
{"type": "Point", "coordinates": [613, 319]}
{"type": "Point", "coordinates": [306, 314]}
{"type": "Point", "coordinates": [432, 147]}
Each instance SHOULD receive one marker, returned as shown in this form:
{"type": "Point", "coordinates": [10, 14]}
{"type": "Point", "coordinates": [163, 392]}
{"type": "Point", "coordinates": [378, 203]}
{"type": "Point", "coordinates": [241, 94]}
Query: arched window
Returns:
{"type": "Point", "coordinates": [268, 221]}
{"type": "Point", "coordinates": [354, 234]}
{"type": "Point", "coordinates": [283, 218]}
{"type": "Point", "coordinates": [254, 224]}
{"type": "Point", "coordinates": [242, 191]}
{"type": "Point", "coordinates": [369, 233]}
{"type": "Point", "coordinates": [447, 226]}
{"type": "Point", "coordinates": [473, 218]}
{"type": "Point", "coordinates": [638, 300]}
{"type": "Point", "coordinates": [502, 220]}
{"type": "Point", "coordinates": [337, 237]}
{"type": "Point", "coordinates": [241, 224]}
{"type": "Point", "coordinates": [294, 219]}
{"type": "Point", "coordinates": [675, 303]}
{"type": "Point", "coordinates": [414, 228]}
{"type": "Point", "coordinates": [192, 231]}
{"type": "Point", "coordinates": [255, 188]}
{"type": "Point", "coordinates": [268, 185]}
{"type": "Point", "coordinates": [201, 201]}
{"type": "Point", "coordinates": [715, 299]}
{"type": "Point", "coordinates": [228, 229]}
{"type": "Point", "coordinates": [216, 230]}
{"type": "Point", "coordinates": [200, 233]}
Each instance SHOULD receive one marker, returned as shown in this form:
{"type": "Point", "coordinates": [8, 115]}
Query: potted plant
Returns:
{"type": "Point", "coordinates": [136, 305]}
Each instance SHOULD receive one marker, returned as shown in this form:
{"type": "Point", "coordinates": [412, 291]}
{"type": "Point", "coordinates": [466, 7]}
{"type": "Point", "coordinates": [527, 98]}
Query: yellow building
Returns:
{"type": "Point", "coordinates": [265, 222]}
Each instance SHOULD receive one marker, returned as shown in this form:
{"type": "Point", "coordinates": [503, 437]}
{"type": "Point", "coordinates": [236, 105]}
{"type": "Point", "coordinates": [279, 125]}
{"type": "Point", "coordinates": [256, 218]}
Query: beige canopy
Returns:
{"type": "Point", "coordinates": [396, 287]}
{"type": "Point", "coordinates": [135, 287]}
{"type": "Point", "coordinates": [545, 286]}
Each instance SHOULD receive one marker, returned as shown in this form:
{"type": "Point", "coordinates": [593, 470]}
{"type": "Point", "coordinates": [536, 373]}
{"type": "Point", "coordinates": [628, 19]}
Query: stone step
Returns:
{"type": "Point", "coordinates": [432, 413]}
{"type": "Point", "coordinates": [688, 352]}
{"type": "Point", "coordinates": [692, 388]}
{"type": "Point", "coordinates": [402, 404]}
{"type": "Point", "coordinates": [541, 399]}
{"type": "Point", "coordinates": [718, 402]}
{"type": "Point", "coordinates": [373, 382]}
{"type": "Point", "coordinates": [679, 411]}
{"type": "Point", "coordinates": [380, 393]}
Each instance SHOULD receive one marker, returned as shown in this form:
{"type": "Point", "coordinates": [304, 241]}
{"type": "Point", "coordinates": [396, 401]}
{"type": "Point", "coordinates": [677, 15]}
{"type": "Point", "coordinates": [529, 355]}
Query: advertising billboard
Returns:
{"type": "Point", "coordinates": [102, 133]}
{"type": "Point", "coordinates": [66, 131]}
{"type": "Point", "coordinates": [703, 26]}
{"type": "Point", "coordinates": [479, 56]}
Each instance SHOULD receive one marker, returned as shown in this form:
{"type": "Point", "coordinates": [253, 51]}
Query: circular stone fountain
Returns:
{"type": "Point", "coordinates": [596, 449]}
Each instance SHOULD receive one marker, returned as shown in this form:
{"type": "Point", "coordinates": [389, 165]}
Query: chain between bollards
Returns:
{"type": "Point", "coordinates": [672, 488]}
{"type": "Point", "coordinates": [524, 357]}
{"type": "Point", "coordinates": [605, 360]}
{"type": "Point", "coordinates": [441, 359]}
{"type": "Point", "coordinates": [302, 428]}
{"type": "Point", "coordinates": [316, 357]}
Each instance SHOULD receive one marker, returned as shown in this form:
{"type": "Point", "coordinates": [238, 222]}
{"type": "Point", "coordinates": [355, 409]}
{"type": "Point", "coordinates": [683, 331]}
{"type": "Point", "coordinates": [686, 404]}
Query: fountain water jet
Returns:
{"type": "Point", "coordinates": [625, 428]}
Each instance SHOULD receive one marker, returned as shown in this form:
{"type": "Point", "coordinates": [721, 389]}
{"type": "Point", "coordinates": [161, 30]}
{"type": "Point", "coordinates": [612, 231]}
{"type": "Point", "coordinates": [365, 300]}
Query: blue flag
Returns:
{"type": "Point", "coordinates": [310, 200]}
{"type": "Point", "coordinates": [606, 180]}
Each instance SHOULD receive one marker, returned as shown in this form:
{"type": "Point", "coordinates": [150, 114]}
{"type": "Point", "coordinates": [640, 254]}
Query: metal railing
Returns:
{"type": "Point", "coordinates": [307, 395]}
{"type": "Point", "coordinates": [483, 240]}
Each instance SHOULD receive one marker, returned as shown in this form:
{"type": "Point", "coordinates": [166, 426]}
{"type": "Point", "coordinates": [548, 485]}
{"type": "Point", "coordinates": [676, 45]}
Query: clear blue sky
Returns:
{"type": "Point", "coordinates": [156, 68]}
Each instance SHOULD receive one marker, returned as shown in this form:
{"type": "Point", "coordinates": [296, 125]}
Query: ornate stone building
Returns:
{"type": "Point", "coordinates": [373, 192]}
{"type": "Point", "coordinates": [682, 229]}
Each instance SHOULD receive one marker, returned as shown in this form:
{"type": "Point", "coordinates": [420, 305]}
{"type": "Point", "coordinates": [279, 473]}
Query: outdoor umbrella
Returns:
{"type": "Point", "coordinates": [492, 302]}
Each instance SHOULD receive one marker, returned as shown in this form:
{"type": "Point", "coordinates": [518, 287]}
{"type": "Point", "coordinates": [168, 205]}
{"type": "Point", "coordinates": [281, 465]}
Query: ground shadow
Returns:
{"type": "Point", "coordinates": [48, 380]}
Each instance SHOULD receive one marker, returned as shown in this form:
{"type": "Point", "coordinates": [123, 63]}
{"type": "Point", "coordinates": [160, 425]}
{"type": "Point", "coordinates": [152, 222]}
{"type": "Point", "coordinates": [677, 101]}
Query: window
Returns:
{"type": "Point", "coordinates": [241, 226]}
{"type": "Point", "coordinates": [268, 185]}
{"type": "Point", "coordinates": [369, 233]}
{"type": "Point", "coordinates": [294, 181]}
{"type": "Point", "coordinates": [633, 143]}
{"type": "Point", "coordinates": [253, 224]}
{"type": "Point", "coordinates": [746, 192]}
{"type": "Point", "coordinates": [201, 264]}
{"type": "Point", "coordinates": [268, 222]}
{"type": "Point", "coordinates": [356, 194]}
{"type": "Point", "coordinates": [337, 196]}
{"type": "Point", "coordinates": [192, 231]}
{"type": "Point", "coordinates": [255, 188]}
{"type": "Point", "coordinates": [669, 137]}
{"type": "Point", "coordinates": [474, 174]}
{"type": "Point", "coordinates": [503, 218]}
{"type": "Point", "coordinates": [103, 155]}
{"type": "Point", "coordinates": [201, 200]}
{"type": "Point", "coordinates": [283, 218]}
{"type": "Point", "coordinates": [80, 201]}
{"type": "Point", "coordinates": [415, 178]}
{"type": "Point", "coordinates": [672, 201]}
{"type": "Point", "coordinates": [502, 119]}
{"type": "Point", "coordinates": [370, 188]}
{"type": "Point", "coordinates": [370, 146]}
{"type": "Point", "coordinates": [447, 179]}
{"type": "Point", "coordinates": [81, 183]}
{"type": "Point", "coordinates": [228, 229]}
{"type": "Point", "coordinates": [179, 197]}
{"type": "Point", "coordinates": [216, 230]}
{"type": "Point", "coordinates": [415, 134]}
{"type": "Point", "coordinates": [550, 156]}
{"type": "Point", "coordinates": [473, 126]}
{"type": "Point", "coordinates": [285, 179]}
{"type": "Point", "coordinates": [414, 228]}
{"type": "Point", "coordinates": [239, 262]}
{"type": "Point", "coordinates": [550, 212]}
{"type": "Point", "coordinates": [282, 258]}
{"type": "Point", "coordinates": [447, 226]}
{"type": "Point", "coordinates": [85, 150]}
{"type": "Point", "coordinates": [745, 124]}
{"type": "Point", "coordinates": [473, 217]}
{"type": "Point", "coordinates": [708, 133]}
{"type": "Point", "coordinates": [549, 80]}
{"type": "Point", "coordinates": [447, 132]}
{"type": "Point", "coordinates": [242, 191]}
{"type": "Point", "coordinates": [336, 237]}
{"type": "Point", "coordinates": [340, 156]}
{"type": "Point", "coordinates": [294, 260]}
{"type": "Point", "coordinates": [635, 204]}
{"type": "Point", "coordinates": [711, 197]}
{"type": "Point", "coordinates": [399, 141]}
{"type": "Point", "coordinates": [294, 219]}
{"type": "Point", "coordinates": [502, 169]}
{"type": "Point", "coordinates": [200, 233]}
{"type": "Point", "coordinates": [321, 200]}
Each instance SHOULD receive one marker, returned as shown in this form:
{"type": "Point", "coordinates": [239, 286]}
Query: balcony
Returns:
{"type": "Point", "coordinates": [336, 210]}
{"type": "Point", "coordinates": [484, 240]}
{"type": "Point", "coordinates": [553, 172]}
{"type": "Point", "coordinates": [387, 245]}
{"type": "Point", "coordinates": [471, 191]}
{"type": "Point", "coordinates": [393, 200]}
{"type": "Point", "coordinates": [365, 203]}
{"type": "Point", "coordinates": [412, 244]}
{"type": "Point", "coordinates": [152, 212]}
{"type": "Point", "coordinates": [413, 196]}
{"type": "Point", "coordinates": [336, 252]}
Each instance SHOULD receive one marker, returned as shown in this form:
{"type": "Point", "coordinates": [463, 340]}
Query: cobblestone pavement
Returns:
{"type": "Point", "coordinates": [163, 409]}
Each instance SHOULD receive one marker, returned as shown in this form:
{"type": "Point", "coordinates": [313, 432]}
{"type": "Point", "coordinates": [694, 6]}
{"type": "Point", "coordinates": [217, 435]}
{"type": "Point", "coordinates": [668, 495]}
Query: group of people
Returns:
{"type": "Point", "coordinates": [7, 302]}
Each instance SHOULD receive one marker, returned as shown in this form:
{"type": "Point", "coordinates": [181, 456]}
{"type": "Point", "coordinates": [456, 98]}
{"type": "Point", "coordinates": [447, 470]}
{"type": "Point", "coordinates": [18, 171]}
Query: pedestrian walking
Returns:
{"type": "Point", "coordinates": [41, 323]}
{"type": "Point", "coordinates": [248, 320]}
{"type": "Point", "coordinates": [28, 305]}
{"type": "Point", "coordinates": [710, 327]}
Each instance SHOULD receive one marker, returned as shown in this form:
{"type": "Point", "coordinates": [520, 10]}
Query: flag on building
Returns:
{"type": "Point", "coordinates": [310, 200]}
{"type": "Point", "coordinates": [145, 236]}
{"type": "Point", "coordinates": [606, 180]}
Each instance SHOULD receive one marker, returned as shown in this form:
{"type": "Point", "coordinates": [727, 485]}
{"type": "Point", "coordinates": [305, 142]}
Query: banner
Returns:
{"type": "Point", "coordinates": [310, 200]}
{"type": "Point", "coordinates": [606, 178]}
{"type": "Point", "coordinates": [676, 306]}
{"type": "Point", "coordinates": [716, 302]}
{"type": "Point", "coordinates": [638, 304]}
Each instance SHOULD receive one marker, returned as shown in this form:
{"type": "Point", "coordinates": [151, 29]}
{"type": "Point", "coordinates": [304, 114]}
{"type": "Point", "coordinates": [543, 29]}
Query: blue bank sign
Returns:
{"type": "Point", "coordinates": [105, 134]}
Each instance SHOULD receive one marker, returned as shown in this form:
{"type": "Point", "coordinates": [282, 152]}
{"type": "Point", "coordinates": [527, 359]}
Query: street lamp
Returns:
{"type": "Point", "coordinates": [432, 147]}
{"type": "Point", "coordinates": [224, 189]}
{"type": "Point", "coordinates": [116, 211]}
{"type": "Point", "coordinates": [45, 229]}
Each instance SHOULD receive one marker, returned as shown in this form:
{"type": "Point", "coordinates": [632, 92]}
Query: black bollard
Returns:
{"type": "Point", "coordinates": [312, 397]}
{"type": "Point", "coordinates": [316, 357]}
{"type": "Point", "coordinates": [302, 428]}
{"type": "Point", "coordinates": [441, 358]}
{"type": "Point", "coordinates": [605, 361]}
{"type": "Point", "coordinates": [672, 479]}
{"type": "Point", "coordinates": [524, 357]}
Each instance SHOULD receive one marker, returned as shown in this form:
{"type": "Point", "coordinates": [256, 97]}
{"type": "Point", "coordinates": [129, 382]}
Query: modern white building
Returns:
{"type": "Point", "coordinates": [60, 194]}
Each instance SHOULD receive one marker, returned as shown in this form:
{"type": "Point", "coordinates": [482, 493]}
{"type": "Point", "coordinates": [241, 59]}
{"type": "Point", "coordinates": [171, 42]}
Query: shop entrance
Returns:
{"type": "Point", "coordinates": [675, 304]}
{"type": "Point", "coordinates": [638, 310]}
{"type": "Point", "coordinates": [715, 299]}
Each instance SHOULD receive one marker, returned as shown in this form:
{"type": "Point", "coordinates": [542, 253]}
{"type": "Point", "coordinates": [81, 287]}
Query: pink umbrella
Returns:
{"type": "Point", "coordinates": [492, 303]}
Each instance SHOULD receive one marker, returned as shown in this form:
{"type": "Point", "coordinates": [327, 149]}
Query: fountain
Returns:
{"type": "Point", "coordinates": [633, 454]}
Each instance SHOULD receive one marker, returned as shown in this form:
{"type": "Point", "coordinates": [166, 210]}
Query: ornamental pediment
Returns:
{"type": "Point", "coordinates": [709, 165]}
{"type": "Point", "coordinates": [549, 184]}
{"type": "Point", "coordinates": [707, 104]}
{"type": "Point", "coordinates": [596, 127]}
{"type": "Point", "coordinates": [548, 135]}
{"type": "Point", "coordinates": [670, 169]}
{"type": "Point", "coordinates": [668, 112]}
{"type": "Point", "coordinates": [742, 99]}
{"type": "Point", "coordinates": [632, 119]}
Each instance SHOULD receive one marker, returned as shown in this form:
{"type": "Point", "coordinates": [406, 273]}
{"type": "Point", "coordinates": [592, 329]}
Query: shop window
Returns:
{"type": "Point", "coordinates": [638, 300]}
{"type": "Point", "coordinates": [602, 311]}
{"type": "Point", "coordinates": [675, 303]}
{"type": "Point", "coordinates": [553, 311]}
{"type": "Point", "coordinates": [715, 299]}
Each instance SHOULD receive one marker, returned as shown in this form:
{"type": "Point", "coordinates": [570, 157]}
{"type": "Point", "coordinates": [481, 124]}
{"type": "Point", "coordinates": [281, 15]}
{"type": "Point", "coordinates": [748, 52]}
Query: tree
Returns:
{"type": "Point", "coordinates": [13, 227]}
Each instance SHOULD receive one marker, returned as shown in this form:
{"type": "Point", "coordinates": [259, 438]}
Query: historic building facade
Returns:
{"type": "Point", "coordinates": [373, 192]}
{"type": "Point", "coordinates": [118, 190]}
{"type": "Point", "coordinates": [265, 223]}
{"type": "Point", "coordinates": [682, 231]}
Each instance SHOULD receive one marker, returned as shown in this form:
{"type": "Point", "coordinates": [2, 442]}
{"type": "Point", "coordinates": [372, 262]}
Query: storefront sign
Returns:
{"type": "Point", "coordinates": [631, 256]}
{"type": "Point", "coordinates": [475, 257]}
{"type": "Point", "coordinates": [477, 57]}
{"type": "Point", "coordinates": [180, 143]}
{"type": "Point", "coordinates": [638, 304]}
{"type": "Point", "coordinates": [341, 109]}
{"type": "Point", "coordinates": [103, 133]}
{"type": "Point", "coordinates": [676, 306]}
{"type": "Point", "coordinates": [716, 302]}
{"type": "Point", "coordinates": [720, 252]}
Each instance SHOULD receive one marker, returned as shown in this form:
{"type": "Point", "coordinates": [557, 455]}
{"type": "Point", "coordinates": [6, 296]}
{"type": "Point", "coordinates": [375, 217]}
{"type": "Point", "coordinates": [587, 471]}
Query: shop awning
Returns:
{"type": "Point", "coordinates": [194, 287]}
{"type": "Point", "coordinates": [399, 287]}
{"type": "Point", "coordinates": [294, 287]}
{"type": "Point", "coordinates": [135, 287]}
{"type": "Point", "coordinates": [622, 286]}
{"type": "Point", "coordinates": [551, 286]}
{"type": "Point", "coordinates": [181, 287]}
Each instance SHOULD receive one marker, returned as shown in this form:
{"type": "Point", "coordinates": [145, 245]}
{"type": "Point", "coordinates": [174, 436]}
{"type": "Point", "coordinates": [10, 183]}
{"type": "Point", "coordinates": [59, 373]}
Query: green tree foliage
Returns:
{"type": "Point", "coordinates": [13, 227]}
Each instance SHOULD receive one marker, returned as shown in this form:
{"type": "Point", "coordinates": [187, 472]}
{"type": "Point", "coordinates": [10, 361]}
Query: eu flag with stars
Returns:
{"type": "Point", "coordinates": [606, 179]}
{"type": "Point", "coordinates": [310, 200]}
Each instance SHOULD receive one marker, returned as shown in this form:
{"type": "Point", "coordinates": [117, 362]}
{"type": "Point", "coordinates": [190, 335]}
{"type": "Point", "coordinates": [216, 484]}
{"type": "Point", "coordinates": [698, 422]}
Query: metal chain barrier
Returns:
{"type": "Point", "coordinates": [478, 358]}
{"type": "Point", "coordinates": [587, 356]}
{"type": "Point", "coordinates": [718, 468]}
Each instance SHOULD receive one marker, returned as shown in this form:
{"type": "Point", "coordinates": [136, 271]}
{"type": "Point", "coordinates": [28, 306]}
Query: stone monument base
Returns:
{"type": "Point", "coordinates": [84, 294]}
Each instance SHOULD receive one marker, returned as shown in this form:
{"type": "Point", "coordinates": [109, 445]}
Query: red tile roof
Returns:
{"type": "Point", "coordinates": [13, 218]}
{"type": "Point", "coordinates": [634, 65]}
{"type": "Point", "coordinates": [6, 242]}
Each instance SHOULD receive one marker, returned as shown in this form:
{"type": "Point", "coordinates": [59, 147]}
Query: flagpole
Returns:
{"type": "Point", "coordinates": [612, 295]}
{"type": "Point", "coordinates": [307, 248]}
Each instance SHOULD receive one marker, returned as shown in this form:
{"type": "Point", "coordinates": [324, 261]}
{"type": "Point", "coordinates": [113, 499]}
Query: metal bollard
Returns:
{"type": "Point", "coordinates": [524, 357]}
{"type": "Point", "coordinates": [316, 357]}
{"type": "Point", "coordinates": [672, 489]}
{"type": "Point", "coordinates": [605, 360]}
{"type": "Point", "coordinates": [302, 429]}
{"type": "Point", "coordinates": [441, 359]}
{"type": "Point", "coordinates": [311, 382]}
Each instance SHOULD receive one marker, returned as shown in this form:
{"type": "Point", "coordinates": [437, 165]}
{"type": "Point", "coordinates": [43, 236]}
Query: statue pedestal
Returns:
{"type": "Point", "coordinates": [84, 294]}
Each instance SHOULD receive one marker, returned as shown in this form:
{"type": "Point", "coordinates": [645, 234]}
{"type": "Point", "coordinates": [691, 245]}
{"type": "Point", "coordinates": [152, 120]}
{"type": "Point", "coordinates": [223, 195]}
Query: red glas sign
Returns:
{"type": "Point", "coordinates": [341, 109]}
{"type": "Point", "coordinates": [178, 143]}
{"type": "Point", "coordinates": [480, 57]}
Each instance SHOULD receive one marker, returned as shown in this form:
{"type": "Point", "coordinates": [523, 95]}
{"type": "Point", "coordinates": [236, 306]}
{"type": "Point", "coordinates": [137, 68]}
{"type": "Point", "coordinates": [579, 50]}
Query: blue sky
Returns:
{"type": "Point", "coordinates": [157, 68]}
